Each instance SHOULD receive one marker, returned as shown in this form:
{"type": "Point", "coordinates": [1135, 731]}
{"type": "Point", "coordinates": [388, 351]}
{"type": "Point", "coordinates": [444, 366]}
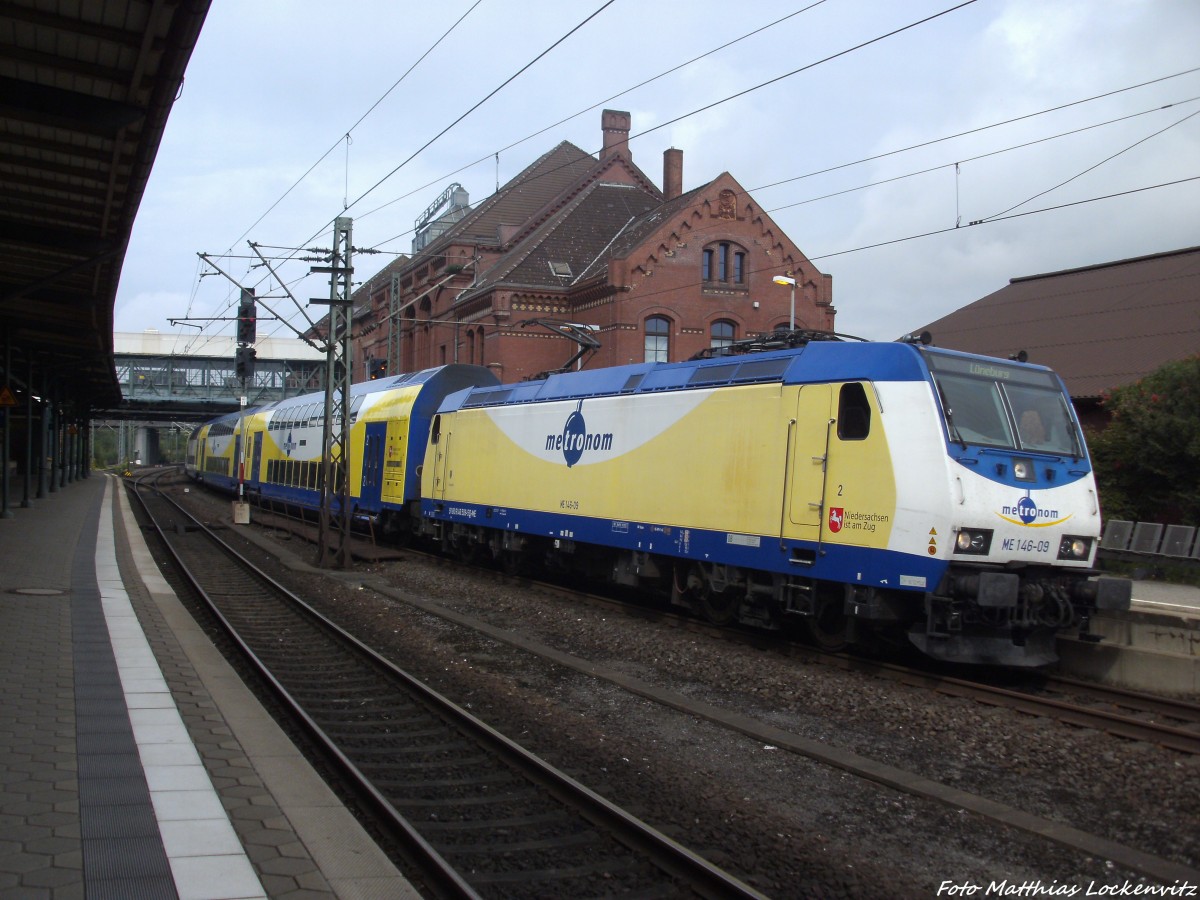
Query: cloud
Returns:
{"type": "Point", "coordinates": [265, 97]}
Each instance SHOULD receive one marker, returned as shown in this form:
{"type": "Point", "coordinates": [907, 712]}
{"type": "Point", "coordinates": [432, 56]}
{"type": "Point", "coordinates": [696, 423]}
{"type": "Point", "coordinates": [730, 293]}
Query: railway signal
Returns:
{"type": "Point", "coordinates": [247, 318]}
{"type": "Point", "coordinates": [244, 362]}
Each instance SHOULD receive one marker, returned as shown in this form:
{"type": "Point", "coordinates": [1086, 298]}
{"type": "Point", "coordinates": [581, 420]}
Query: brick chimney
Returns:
{"type": "Point", "coordinates": [672, 173]}
{"type": "Point", "coordinates": [615, 125]}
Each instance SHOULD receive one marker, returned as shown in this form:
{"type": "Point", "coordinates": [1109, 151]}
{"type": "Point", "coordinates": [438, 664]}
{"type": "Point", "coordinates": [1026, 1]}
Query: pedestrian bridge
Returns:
{"type": "Point", "coordinates": [188, 378]}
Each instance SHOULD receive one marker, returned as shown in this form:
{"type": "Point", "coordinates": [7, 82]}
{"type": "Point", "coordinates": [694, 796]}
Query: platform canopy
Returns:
{"type": "Point", "coordinates": [85, 91]}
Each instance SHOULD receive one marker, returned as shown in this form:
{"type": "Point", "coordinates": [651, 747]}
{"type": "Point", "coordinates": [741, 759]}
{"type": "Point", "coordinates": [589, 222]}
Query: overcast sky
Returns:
{"type": "Point", "coordinates": [273, 88]}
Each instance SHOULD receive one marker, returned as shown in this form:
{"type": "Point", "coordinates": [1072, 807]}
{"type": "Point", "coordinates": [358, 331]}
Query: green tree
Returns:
{"type": "Point", "coordinates": [104, 447]}
{"type": "Point", "coordinates": [1148, 458]}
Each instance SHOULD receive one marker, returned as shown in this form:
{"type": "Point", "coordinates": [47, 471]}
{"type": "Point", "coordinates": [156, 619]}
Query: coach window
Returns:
{"type": "Point", "coordinates": [658, 339]}
{"type": "Point", "coordinates": [854, 413]}
{"type": "Point", "coordinates": [722, 334]}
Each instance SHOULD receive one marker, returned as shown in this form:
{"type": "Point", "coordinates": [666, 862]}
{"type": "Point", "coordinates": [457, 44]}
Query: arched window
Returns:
{"type": "Point", "coordinates": [722, 333]}
{"type": "Point", "coordinates": [723, 263]}
{"type": "Point", "coordinates": [658, 339]}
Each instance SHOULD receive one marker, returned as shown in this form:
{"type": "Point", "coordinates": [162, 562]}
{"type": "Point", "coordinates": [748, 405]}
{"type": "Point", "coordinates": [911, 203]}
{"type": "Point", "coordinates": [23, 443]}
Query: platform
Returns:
{"type": "Point", "coordinates": [1153, 647]}
{"type": "Point", "coordinates": [134, 762]}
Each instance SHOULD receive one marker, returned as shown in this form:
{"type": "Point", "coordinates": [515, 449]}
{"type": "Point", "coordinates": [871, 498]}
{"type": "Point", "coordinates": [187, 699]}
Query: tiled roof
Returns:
{"type": "Point", "coordinates": [575, 238]}
{"type": "Point", "coordinates": [1099, 327]}
{"type": "Point", "coordinates": [647, 222]}
{"type": "Point", "coordinates": [518, 200]}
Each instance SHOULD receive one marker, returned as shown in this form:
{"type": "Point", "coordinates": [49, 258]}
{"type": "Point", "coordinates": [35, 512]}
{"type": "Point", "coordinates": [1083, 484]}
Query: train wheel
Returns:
{"type": "Point", "coordinates": [720, 607]}
{"type": "Point", "coordinates": [827, 625]}
{"type": "Point", "coordinates": [512, 562]}
{"type": "Point", "coordinates": [469, 552]}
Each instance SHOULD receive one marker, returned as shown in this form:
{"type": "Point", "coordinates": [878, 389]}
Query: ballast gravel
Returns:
{"type": "Point", "coordinates": [784, 824]}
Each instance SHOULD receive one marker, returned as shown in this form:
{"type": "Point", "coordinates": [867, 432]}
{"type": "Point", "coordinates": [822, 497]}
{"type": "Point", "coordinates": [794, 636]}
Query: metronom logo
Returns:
{"type": "Point", "coordinates": [1028, 513]}
{"type": "Point", "coordinates": [575, 439]}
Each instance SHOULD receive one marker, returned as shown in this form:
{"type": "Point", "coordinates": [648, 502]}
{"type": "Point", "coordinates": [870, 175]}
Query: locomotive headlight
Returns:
{"type": "Point", "coordinates": [1023, 470]}
{"type": "Point", "coordinates": [975, 541]}
{"type": "Point", "coordinates": [1074, 547]}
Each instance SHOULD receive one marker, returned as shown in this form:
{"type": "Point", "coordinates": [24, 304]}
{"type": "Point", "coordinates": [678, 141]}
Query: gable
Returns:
{"type": "Point", "coordinates": [719, 210]}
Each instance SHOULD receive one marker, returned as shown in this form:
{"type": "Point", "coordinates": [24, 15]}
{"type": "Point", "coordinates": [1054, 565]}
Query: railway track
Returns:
{"type": "Point", "coordinates": [487, 818]}
{"type": "Point", "coordinates": [1133, 715]}
{"type": "Point", "coordinates": [1107, 719]}
{"type": "Point", "coordinates": [1174, 724]}
{"type": "Point", "coordinates": [1132, 858]}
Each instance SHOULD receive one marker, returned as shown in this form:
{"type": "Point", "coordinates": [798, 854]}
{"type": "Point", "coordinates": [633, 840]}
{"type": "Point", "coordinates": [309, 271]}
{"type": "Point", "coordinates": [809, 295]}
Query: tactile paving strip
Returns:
{"type": "Point", "coordinates": [123, 854]}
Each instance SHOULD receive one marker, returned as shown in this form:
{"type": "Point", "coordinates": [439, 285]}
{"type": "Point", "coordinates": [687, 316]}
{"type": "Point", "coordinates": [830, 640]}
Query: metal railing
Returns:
{"type": "Point", "coordinates": [1163, 543]}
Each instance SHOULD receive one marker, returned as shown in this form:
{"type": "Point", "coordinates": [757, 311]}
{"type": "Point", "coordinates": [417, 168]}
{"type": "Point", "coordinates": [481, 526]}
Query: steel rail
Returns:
{"type": "Point", "coordinates": [706, 879]}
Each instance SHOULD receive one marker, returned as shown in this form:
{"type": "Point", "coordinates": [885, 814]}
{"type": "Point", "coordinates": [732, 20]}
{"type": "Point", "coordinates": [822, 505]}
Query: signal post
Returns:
{"type": "Point", "coordinates": [247, 326]}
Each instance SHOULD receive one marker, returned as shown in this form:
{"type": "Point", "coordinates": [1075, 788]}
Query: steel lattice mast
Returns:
{"type": "Point", "coordinates": [334, 532]}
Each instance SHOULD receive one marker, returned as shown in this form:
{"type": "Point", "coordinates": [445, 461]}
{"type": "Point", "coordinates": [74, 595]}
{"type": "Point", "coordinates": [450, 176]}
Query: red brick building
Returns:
{"type": "Point", "coordinates": [651, 274]}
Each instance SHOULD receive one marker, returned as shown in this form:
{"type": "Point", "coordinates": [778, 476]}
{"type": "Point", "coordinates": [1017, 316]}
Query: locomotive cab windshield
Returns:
{"type": "Point", "coordinates": [989, 404]}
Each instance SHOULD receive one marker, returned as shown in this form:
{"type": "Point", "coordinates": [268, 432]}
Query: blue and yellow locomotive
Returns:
{"type": "Point", "coordinates": [861, 489]}
{"type": "Point", "coordinates": [855, 486]}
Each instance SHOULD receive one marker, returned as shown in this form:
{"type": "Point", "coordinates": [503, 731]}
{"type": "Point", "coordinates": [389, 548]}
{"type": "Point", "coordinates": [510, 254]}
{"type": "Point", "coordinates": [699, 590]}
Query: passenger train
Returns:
{"type": "Point", "coordinates": [868, 491]}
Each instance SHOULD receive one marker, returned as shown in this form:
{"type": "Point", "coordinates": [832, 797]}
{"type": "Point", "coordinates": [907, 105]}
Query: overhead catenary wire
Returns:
{"type": "Point", "coordinates": [970, 131]}
{"type": "Point", "coordinates": [473, 108]}
{"type": "Point", "coordinates": [919, 145]}
{"type": "Point", "coordinates": [492, 93]}
{"type": "Point", "coordinates": [346, 137]}
{"type": "Point", "coordinates": [359, 121]}
{"type": "Point", "coordinates": [709, 106]}
{"type": "Point", "coordinates": [1011, 120]}
{"type": "Point", "coordinates": [716, 103]}
{"type": "Point", "coordinates": [949, 230]}
{"type": "Point", "coordinates": [990, 153]}
{"type": "Point", "coordinates": [1091, 168]}
{"type": "Point", "coordinates": [495, 154]}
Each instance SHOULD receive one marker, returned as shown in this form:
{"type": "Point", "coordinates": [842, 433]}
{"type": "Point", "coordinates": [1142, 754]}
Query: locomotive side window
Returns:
{"type": "Point", "coordinates": [854, 413]}
{"type": "Point", "coordinates": [436, 430]}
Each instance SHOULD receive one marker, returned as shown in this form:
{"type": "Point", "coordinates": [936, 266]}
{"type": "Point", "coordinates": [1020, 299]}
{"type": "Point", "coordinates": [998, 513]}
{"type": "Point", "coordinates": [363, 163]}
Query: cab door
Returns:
{"type": "Point", "coordinates": [440, 440]}
{"type": "Point", "coordinates": [859, 478]}
{"type": "Point", "coordinates": [808, 456]}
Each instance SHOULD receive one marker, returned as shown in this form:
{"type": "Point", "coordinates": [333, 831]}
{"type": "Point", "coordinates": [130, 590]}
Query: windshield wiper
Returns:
{"type": "Point", "coordinates": [954, 435]}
